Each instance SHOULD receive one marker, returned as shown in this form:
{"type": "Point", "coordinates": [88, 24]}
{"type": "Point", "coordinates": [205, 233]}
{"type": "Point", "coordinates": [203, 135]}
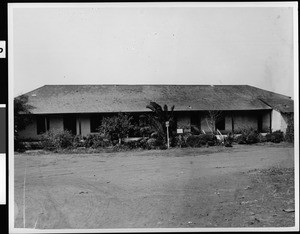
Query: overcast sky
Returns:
{"type": "Point", "coordinates": [153, 45]}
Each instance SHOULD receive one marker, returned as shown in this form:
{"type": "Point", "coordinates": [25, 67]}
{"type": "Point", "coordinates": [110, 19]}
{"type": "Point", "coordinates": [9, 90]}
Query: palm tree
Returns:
{"type": "Point", "coordinates": [159, 118]}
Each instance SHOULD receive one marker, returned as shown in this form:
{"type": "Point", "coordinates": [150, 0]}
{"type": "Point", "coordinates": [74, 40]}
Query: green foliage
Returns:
{"type": "Point", "coordinates": [228, 140]}
{"type": "Point", "coordinates": [95, 141]}
{"type": "Point", "coordinates": [289, 134]}
{"type": "Point", "coordinates": [248, 136]}
{"type": "Point", "coordinates": [57, 139]}
{"type": "Point", "coordinates": [78, 141]}
{"type": "Point", "coordinates": [116, 127]}
{"type": "Point", "coordinates": [145, 131]}
{"type": "Point", "coordinates": [152, 143]}
{"type": "Point", "coordinates": [275, 137]}
{"type": "Point", "coordinates": [202, 139]}
{"type": "Point", "coordinates": [22, 114]}
{"type": "Point", "coordinates": [137, 144]}
{"type": "Point", "coordinates": [193, 141]}
{"type": "Point", "coordinates": [18, 145]}
{"type": "Point", "coordinates": [179, 141]}
{"type": "Point", "coordinates": [22, 117]}
{"type": "Point", "coordinates": [158, 118]}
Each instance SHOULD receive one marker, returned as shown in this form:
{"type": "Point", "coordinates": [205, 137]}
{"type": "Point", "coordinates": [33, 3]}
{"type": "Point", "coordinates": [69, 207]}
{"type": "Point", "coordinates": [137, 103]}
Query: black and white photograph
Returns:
{"type": "Point", "coordinates": [153, 117]}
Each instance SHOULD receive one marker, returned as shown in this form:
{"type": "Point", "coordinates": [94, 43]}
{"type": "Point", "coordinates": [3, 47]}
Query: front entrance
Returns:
{"type": "Point", "coordinates": [70, 123]}
{"type": "Point", "coordinates": [220, 123]}
{"type": "Point", "coordinates": [259, 123]}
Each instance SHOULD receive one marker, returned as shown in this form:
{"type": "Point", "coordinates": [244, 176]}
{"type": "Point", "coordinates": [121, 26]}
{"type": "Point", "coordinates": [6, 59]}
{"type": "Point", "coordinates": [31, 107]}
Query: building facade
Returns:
{"type": "Point", "coordinates": [80, 108]}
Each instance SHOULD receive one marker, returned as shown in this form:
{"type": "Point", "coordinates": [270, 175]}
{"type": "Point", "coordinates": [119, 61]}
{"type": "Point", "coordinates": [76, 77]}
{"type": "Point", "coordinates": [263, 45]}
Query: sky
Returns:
{"type": "Point", "coordinates": [153, 45]}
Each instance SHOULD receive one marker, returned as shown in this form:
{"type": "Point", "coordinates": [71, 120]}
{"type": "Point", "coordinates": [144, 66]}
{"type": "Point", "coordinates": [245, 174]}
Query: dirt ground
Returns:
{"type": "Point", "coordinates": [243, 186]}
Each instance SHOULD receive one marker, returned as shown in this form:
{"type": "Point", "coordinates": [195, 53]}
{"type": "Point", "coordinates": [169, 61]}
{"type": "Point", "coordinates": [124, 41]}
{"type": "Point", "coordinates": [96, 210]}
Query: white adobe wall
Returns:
{"type": "Point", "coordinates": [245, 120]}
{"type": "Point", "coordinates": [85, 125]}
{"type": "Point", "coordinates": [56, 123]}
{"type": "Point", "coordinates": [279, 121]}
{"type": "Point", "coordinates": [228, 123]}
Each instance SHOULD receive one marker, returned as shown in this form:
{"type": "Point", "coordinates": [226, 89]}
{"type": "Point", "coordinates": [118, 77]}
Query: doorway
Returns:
{"type": "Point", "coordinates": [70, 123]}
{"type": "Point", "coordinates": [259, 123]}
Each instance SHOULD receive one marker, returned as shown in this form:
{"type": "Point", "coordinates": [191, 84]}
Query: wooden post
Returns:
{"type": "Point", "coordinates": [168, 139]}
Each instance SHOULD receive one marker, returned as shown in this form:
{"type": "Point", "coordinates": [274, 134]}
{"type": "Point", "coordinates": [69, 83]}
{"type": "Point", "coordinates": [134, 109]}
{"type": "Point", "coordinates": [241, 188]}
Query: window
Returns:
{"type": "Point", "coordinates": [259, 123]}
{"type": "Point", "coordinates": [96, 121]}
{"type": "Point", "coordinates": [220, 123]}
{"type": "Point", "coordinates": [195, 122]}
{"type": "Point", "coordinates": [42, 124]}
{"type": "Point", "coordinates": [69, 122]}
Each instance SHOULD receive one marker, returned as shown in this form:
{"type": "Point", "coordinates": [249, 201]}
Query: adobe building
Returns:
{"type": "Point", "coordinates": [80, 108]}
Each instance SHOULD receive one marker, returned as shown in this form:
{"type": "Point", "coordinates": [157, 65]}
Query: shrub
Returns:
{"type": "Point", "coordinates": [289, 134]}
{"type": "Point", "coordinates": [252, 137]}
{"type": "Point", "coordinates": [152, 143]}
{"type": "Point", "coordinates": [262, 138]}
{"type": "Point", "coordinates": [146, 131]}
{"type": "Point", "coordinates": [275, 137]}
{"type": "Point", "coordinates": [18, 145]}
{"type": "Point", "coordinates": [135, 144]}
{"type": "Point", "coordinates": [78, 141]}
{"type": "Point", "coordinates": [228, 140]}
{"type": "Point", "coordinates": [154, 135]}
{"type": "Point", "coordinates": [248, 136]}
{"type": "Point", "coordinates": [179, 141]}
{"type": "Point", "coordinates": [95, 141]}
{"type": "Point", "coordinates": [57, 139]}
{"type": "Point", "coordinates": [116, 127]}
{"type": "Point", "coordinates": [203, 139]}
{"type": "Point", "coordinates": [32, 145]}
{"type": "Point", "coordinates": [193, 141]}
{"type": "Point", "coordinates": [241, 139]}
{"type": "Point", "coordinates": [209, 139]}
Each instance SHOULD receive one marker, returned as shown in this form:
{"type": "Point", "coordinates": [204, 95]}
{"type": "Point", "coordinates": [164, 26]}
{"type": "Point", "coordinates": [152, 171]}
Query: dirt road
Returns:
{"type": "Point", "coordinates": [214, 187]}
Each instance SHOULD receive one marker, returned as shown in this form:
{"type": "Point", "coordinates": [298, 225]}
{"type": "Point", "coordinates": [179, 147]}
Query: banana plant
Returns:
{"type": "Point", "coordinates": [159, 117]}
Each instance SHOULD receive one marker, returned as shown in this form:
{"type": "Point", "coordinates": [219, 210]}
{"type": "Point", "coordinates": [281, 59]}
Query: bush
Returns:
{"type": "Point", "coordinates": [203, 139]}
{"type": "Point", "coordinates": [57, 139]}
{"type": "Point", "coordinates": [241, 139]}
{"type": "Point", "coordinates": [179, 141]}
{"type": "Point", "coordinates": [209, 139]}
{"type": "Point", "coordinates": [33, 145]}
{"type": "Point", "coordinates": [78, 141]}
{"type": "Point", "coordinates": [248, 136]}
{"type": "Point", "coordinates": [289, 134]}
{"type": "Point", "coordinates": [252, 137]}
{"type": "Point", "coordinates": [96, 141]}
{"type": "Point", "coordinates": [152, 143]}
{"type": "Point", "coordinates": [18, 145]}
{"type": "Point", "coordinates": [145, 131]}
{"type": "Point", "coordinates": [116, 127]}
{"type": "Point", "coordinates": [154, 135]}
{"type": "Point", "coordinates": [262, 138]}
{"type": "Point", "coordinates": [275, 137]}
{"type": "Point", "coordinates": [193, 141]}
{"type": "Point", "coordinates": [135, 144]}
{"type": "Point", "coordinates": [228, 140]}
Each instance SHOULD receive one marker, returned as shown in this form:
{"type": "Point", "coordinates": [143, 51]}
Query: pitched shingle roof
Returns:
{"type": "Point", "coordinates": [54, 99]}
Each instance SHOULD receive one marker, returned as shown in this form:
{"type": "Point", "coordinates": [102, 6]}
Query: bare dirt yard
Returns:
{"type": "Point", "coordinates": [243, 186]}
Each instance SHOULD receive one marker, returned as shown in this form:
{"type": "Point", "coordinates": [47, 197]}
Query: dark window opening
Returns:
{"type": "Point", "coordinates": [220, 123]}
{"type": "Point", "coordinates": [42, 124]}
{"type": "Point", "coordinates": [259, 123]}
{"type": "Point", "coordinates": [70, 124]}
{"type": "Point", "coordinates": [195, 122]}
{"type": "Point", "coordinates": [96, 121]}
